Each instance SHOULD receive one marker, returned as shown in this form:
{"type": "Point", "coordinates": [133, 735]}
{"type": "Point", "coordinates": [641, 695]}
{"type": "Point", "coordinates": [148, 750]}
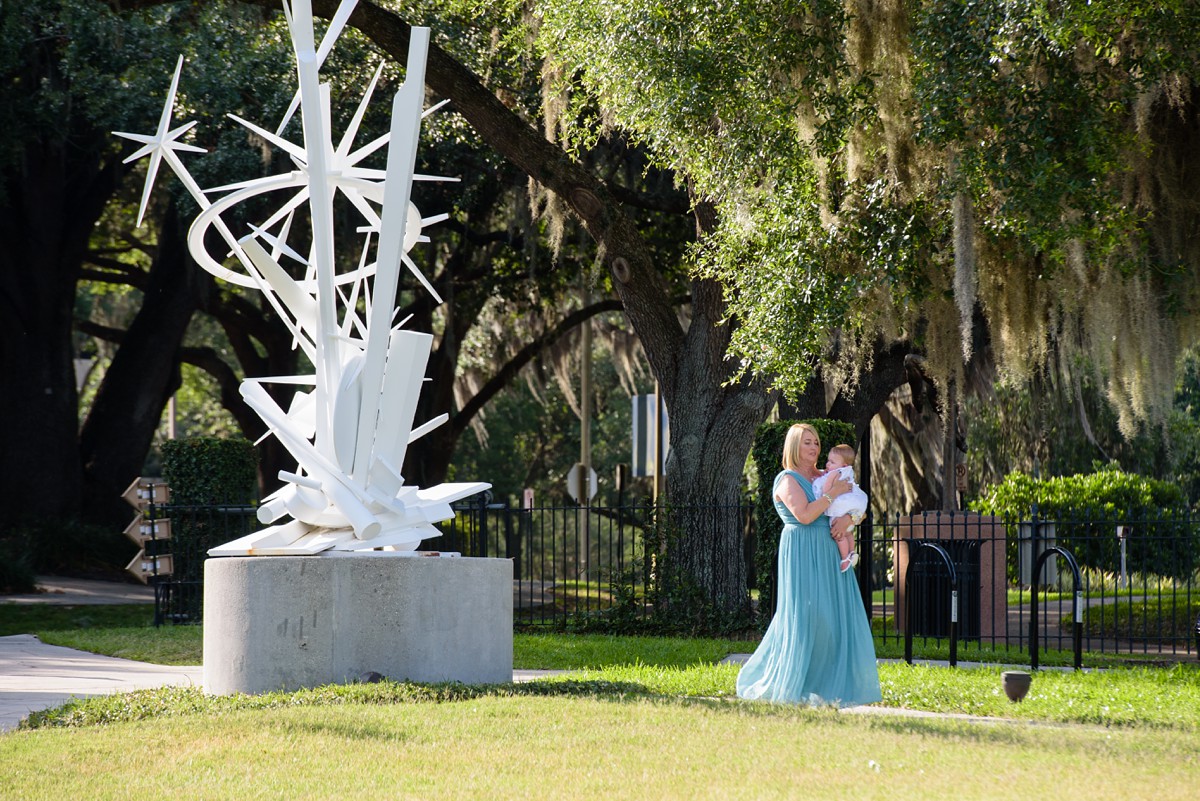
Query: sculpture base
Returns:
{"type": "Point", "coordinates": [287, 622]}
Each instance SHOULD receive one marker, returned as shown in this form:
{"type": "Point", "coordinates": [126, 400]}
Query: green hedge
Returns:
{"type": "Point", "coordinates": [1087, 508]}
{"type": "Point", "coordinates": [204, 471]}
{"type": "Point", "coordinates": [767, 454]}
{"type": "Point", "coordinates": [1150, 618]}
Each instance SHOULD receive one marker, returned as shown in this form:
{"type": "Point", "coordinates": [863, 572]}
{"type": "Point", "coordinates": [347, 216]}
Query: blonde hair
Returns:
{"type": "Point", "coordinates": [791, 444]}
{"type": "Point", "coordinates": [845, 452]}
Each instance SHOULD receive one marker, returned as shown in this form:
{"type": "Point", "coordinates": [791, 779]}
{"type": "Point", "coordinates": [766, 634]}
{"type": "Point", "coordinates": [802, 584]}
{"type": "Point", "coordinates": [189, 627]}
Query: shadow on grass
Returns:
{"type": "Point", "coordinates": [32, 618]}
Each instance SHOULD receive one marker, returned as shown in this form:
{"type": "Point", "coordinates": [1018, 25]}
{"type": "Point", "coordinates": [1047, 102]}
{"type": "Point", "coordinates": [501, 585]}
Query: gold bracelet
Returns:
{"type": "Point", "coordinates": [828, 497]}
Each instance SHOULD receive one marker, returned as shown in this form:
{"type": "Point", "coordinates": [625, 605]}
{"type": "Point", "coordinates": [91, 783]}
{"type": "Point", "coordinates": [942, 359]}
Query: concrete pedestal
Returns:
{"type": "Point", "coordinates": [287, 622]}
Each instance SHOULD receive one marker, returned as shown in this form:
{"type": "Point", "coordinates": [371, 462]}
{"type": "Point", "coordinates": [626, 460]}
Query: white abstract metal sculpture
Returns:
{"type": "Point", "coordinates": [350, 432]}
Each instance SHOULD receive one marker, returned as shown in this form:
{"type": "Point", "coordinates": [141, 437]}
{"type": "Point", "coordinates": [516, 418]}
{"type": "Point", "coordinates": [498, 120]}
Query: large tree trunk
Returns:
{"type": "Point", "coordinates": [141, 379]}
{"type": "Point", "coordinates": [50, 202]}
{"type": "Point", "coordinates": [874, 387]}
{"type": "Point", "coordinates": [909, 452]}
{"type": "Point", "coordinates": [712, 425]}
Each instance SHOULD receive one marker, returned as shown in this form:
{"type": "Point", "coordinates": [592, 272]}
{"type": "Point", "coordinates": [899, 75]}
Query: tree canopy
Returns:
{"type": "Point", "coordinates": [896, 167]}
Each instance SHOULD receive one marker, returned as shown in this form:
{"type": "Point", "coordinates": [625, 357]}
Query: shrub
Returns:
{"type": "Point", "coordinates": [16, 565]}
{"type": "Point", "coordinates": [61, 547]}
{"type": "Point", "coordinates": [1087, 508]}
{"type": "Point", "coordinates": [205, 471]}
{"type": "Point", "coordinates": [210, 478]}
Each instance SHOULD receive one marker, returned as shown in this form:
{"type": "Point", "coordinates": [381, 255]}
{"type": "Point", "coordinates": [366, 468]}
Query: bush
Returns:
{"type": "Point", "coordinates": [207, 471]}
{"type": "Point", "coordinates": [62, 548]}
{"type": "Point", "coordinates": [210, 478]}
{"type": "Point", "coordinates": [1087, 508]}
{"type": "Point", "coordinates": [16, 565]}
{"type": "Point", "coordinates": [767, 453]}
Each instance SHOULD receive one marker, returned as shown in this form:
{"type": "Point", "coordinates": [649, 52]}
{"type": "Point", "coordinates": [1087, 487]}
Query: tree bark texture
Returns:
{"type": "Point", "coordinates": [712, 425]}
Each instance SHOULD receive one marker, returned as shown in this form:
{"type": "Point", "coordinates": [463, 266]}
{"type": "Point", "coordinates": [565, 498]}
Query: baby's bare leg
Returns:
{"type": "Point", "coordinates": [846, 545]}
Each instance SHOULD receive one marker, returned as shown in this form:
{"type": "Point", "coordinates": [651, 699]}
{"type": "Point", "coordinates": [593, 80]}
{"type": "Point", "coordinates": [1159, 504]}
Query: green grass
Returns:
{"type": "Point", "coordinates": [623, 731]}
{"type": "Point", "coordinates": [127, 632]}
{"type": "Point", "coordinates": [609, 746]}
{"type": "Point", "coordinates": [1156, 698]}
{"type": "Point", "coordinates": [34, 618]}
{"type": "Point", "coordinates": [1152, 617]}
{"type": "Point", "coordinates": [675, 667]}
{"type": "Point", "coordinates": [576, 651]}
{"type": "Point", "coordinates": [635, 717]}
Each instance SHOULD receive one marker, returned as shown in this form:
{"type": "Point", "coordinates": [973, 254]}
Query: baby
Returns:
{"type": "Point", "coordinates": [853, 502]}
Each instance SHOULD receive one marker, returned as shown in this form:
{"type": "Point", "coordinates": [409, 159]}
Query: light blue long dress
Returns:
{"type": "Point", "coordinates": [818, 649]}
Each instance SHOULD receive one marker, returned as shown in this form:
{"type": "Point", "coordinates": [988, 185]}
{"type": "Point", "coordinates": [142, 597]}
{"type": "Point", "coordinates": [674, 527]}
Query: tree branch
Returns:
{"type": "Point", "coordinates": [509, 371]}
{"type": "Point", "coordinates": [641, 287]}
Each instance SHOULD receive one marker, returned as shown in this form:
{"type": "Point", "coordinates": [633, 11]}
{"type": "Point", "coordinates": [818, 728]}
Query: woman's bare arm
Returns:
{"type": "Point", "coordinates": [797, 502]}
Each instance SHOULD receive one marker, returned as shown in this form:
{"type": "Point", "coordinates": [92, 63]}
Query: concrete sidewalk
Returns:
{"type": "Point", "coordinates": [60, 591]}
{"type": "Point", "coordinates": [36, 676]}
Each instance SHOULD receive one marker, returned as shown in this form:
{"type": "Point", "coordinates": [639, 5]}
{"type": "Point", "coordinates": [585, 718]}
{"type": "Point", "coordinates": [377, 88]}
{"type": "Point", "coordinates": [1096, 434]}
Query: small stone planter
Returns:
{"type": "Point", "coordinates": [1015, 683]}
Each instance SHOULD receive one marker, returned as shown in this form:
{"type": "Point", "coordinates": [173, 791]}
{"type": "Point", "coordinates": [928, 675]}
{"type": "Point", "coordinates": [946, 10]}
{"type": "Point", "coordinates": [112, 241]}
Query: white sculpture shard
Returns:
{"type": "Point", "coordinates": [350, 432]}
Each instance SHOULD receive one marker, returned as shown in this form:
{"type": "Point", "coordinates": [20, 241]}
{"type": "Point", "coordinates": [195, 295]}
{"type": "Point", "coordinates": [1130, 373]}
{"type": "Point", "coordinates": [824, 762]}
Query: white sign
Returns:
{"type": "Point", "coordinates": [142, 530]}
{"type": "Point", "coordinates": [144, 567]}
{"type": "Point", "coordinates": [144, 491]}
{"type": "Point", "coordinates": [575, 483]}
{"type": "Point", "coordinates": [644, 435]}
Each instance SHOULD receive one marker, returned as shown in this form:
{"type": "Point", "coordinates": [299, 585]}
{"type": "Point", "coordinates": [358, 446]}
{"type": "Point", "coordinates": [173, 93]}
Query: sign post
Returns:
{"type": "Point", "coordinates": [582, 485]}
{"type": "Point", "coordinates": [147, 531]}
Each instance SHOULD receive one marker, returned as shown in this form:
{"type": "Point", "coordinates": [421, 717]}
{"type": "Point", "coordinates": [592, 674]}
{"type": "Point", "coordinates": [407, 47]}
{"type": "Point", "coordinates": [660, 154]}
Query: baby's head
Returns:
{"type": "Point", "coordinates": [840, 456]}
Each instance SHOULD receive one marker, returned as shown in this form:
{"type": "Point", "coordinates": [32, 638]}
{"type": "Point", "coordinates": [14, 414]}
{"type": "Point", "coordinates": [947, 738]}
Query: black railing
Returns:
{"type": "Point", "coordinates": [179, 593]}
{"type": "Point", "coordinates": [572, 561]}
{"type": "Point", "coordinates": [1139, 582]}
{"type": "Point", "coordinates": [1138, 593]}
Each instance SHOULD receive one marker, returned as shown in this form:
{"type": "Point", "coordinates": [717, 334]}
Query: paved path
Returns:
{"type": "Point", "coordinates": [36, 676]}
{"type": "Point", "coordinates": [69, 591]}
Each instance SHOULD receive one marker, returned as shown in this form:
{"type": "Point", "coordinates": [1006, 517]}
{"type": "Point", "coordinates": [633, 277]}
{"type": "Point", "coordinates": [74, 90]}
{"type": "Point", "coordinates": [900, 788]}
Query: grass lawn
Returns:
{"type": "Point", "coordinates": [604, 746]}
{"type": "Point", "coordinates": [636, 717]}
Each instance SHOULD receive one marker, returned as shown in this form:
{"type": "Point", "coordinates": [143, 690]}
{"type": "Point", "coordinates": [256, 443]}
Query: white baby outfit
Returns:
{"type": "Point", "coordinates": [853, 503]}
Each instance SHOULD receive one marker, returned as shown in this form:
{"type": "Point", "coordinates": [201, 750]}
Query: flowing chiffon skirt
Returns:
{"type": "Point", "coordinates": [818, 649]}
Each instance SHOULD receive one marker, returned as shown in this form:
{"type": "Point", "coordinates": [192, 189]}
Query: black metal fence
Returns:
{"type": "Point", "coordinates": [1139, 575]}
{"type": "Point", "coordinates": [1138, 581]}
{"type": "Point", "coordinates": [179, 590]}
{"type": "Point", "coordinates": [570, 561]}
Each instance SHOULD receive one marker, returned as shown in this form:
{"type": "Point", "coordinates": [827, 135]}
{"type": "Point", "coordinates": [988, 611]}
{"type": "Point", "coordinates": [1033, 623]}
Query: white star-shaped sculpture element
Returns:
{"type": "Point", "coordinates": [162, 143]}
{"type": "Point", "coordinates": [351, 424]}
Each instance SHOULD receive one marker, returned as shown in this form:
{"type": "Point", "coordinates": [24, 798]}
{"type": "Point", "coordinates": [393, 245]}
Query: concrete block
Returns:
{"type": "Point", "coordinates": [287, 622]}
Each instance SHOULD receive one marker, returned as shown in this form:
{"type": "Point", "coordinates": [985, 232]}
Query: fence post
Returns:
{"type": "Point", "coordinates": [913, 547]}
{"type": "Point", "coordinates": [481, 539]}
{"type": "Point", "coordinates": [512, 540]}
{"type": "Point", "coordinates": [864, 542]}
{"type": "Point", "coordinates": [1076, 607]}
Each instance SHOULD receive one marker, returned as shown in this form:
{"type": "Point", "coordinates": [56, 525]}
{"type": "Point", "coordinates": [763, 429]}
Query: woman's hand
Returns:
{"type": "Point", "coordinates": [839, 527]}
